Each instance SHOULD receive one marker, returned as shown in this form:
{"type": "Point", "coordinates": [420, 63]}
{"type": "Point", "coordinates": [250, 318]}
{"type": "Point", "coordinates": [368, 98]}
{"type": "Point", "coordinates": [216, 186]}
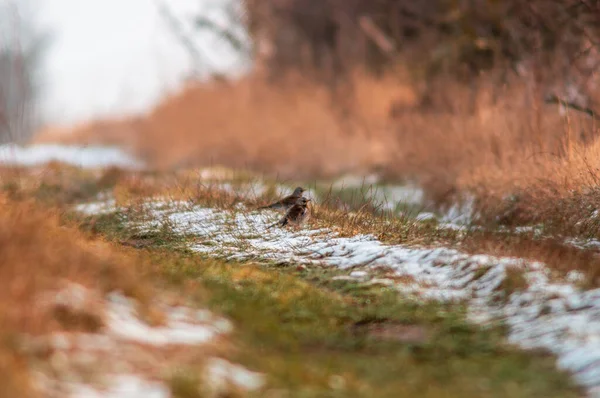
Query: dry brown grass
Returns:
{"type": "Point", "coordinates": [463, 141]}
{"type": "Point", "coordinates": [291, 130]}
{"type": "Point", "coordinates": [546, 188]}
{"type": "Point", "coordinates": [496, 145]}
{"type": "Point", "coordinates": [38, 255]}
{"type": "Point", "coordinates": [131, 189]}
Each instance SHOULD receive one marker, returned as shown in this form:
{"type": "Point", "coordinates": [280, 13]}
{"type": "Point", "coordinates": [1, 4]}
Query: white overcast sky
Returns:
{"type": "Point", "coordinates": [115, 57]}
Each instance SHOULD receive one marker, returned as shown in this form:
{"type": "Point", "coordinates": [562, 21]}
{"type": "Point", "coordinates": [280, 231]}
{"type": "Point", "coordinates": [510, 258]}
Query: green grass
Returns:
{"type": "Point", "coordinates": [303, 330]}
{"type": "Point", "coordinates": [185, 383]}
{"type": "Point", "coordinates": [513, 282]}
{"type": "Point", "coordinates": [304, 337]}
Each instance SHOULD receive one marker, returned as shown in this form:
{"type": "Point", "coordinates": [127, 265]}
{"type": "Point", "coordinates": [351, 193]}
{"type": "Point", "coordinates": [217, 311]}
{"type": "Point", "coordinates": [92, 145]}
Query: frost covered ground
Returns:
{"type": "Point", "coordinates": [84, 157]}
{"type": "Point", "coordinates": [540, 309]}
{"type": "Point", "coordinates": [126, 356]}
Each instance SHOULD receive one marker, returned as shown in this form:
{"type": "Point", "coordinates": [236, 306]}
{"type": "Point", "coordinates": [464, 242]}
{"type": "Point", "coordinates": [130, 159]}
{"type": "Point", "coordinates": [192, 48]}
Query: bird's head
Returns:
{"type": "Point", "coordinates": [299, 191]}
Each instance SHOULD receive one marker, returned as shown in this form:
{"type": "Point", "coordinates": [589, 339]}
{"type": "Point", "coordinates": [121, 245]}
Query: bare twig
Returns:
{"type": "Point", "coordinates": [197, 56]}
{"type": "Point", "coordinates": [224, 33]}
{"type": "Point", "coordinates": [376, 35]}
{"type": "Point", "coordinates": [553, 99]}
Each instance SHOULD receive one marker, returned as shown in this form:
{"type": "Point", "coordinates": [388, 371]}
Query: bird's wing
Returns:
{"type": "Point", "coordinates": [289, 200]}
{"type": "Point", "coordinates": [295, 211]}
{"type": "Point", "coordinates": [285, 202]}
{"type": "Point", "coordinates": [272, 205]}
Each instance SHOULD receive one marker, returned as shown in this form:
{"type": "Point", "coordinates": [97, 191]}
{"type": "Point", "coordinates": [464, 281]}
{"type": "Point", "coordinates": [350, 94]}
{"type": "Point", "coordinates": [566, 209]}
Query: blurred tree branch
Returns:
{"type": "Point", "coordinates": [22, 48]}
{"type": "Point", "coordinates": [227, 34]}
{"type": "Point", "coordinates": [379, 38]}
{"type": "Point", "coordinates": [197, 56]}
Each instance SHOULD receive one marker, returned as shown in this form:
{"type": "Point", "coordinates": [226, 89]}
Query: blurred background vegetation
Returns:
{"type": "Point", "coordinates": [497, 99]}
{"type": "Point", "coordinates": [552, 44]}
{"type": "Point", "coordinates": [22, 47]}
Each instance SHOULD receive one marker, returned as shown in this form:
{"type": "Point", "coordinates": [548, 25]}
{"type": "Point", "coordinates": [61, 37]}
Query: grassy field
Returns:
{"type": "Point", "coordinates": [453, 250]}
{"type": "Point", "coordinates": [525, 162]}
{"type": "Point", "coordinates": [307, 329]}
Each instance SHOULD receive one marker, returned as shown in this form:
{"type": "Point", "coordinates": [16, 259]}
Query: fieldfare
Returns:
{"type": "Point", "coordinates": [287, 202]}
{"type": "Point", "coordinates": [296, 215]}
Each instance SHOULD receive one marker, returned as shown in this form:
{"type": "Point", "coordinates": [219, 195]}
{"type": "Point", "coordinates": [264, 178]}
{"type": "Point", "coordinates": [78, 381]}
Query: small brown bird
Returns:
{"type": "Point", "coordinates": [296, 215]}
{"type": "Point", "coordinates": [287, 202]}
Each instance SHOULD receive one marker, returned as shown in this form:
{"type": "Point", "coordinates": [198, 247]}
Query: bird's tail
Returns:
{"type": "Point", "coordinates": [273, 206]}
{"type": "Point", "coordinates": [282, 223]}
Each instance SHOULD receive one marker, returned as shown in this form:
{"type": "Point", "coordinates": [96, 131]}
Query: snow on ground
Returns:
{"type": "Point", "coordinates": [546, 313]}
{"type": "Point", "coordinates": [460, 213]}
{"type": "Point", "coordinates": [119, 386]}
{"type": "Point", "coordinates": [107, 363]}
{"type": "Point", "coordinates": [409, 199]}
{"type": "Point", "coordinates": [585, 244]}
{"type": "Point", "coordinates": [85, 157]}
{"type": "Point", "coordinates": [355, 181]}
{"type": "Point", "coordinates": [183, 325]}
{"type": "Point", "coordinates": [97, 208]}
{"type": "Point", "coordinates": [393, 196]}
{"type": "Point", "coordinates": [222, 373]}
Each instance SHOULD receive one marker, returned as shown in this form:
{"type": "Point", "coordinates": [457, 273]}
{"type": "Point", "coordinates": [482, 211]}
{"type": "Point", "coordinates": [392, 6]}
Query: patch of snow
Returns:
{"type": "Point", "coordinates": [460, 213]}
{"type": "Point", "coordinates": [575, 277]}
{"type": "Point", "coordinates": [182, 325]}
{"type": "Point", "coordinates": [392, 196]}
{"type": "Point", "coordinates": [216, 174]}
{"type": "Point", "coordinates": [97, 208]}
{"type": "Point", "coordinates": [409, 200]}
{"type": "Point", "coordinates": [221, 373]}
{"type": "Point", "coordinates": [74, 295]}
{"type": "Point", "coordinates": [585, 244]}
{"type": "Point", "coordinates": [120, 386]}
{"type": "Point", "coordinates": [355, 181]}
{"type": "Point", "coordinates": [525, 229]}
{"type": "Point", "coordinates": [123, 339]}
{"type": "Point", "coordinates": [359, 274]}
{"type": "Point", "coordinates": [425, 216]}
{"type": "Point", "coordinates": [84, 157]}
{"type": "Point", "coordinates": [557, 316]}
